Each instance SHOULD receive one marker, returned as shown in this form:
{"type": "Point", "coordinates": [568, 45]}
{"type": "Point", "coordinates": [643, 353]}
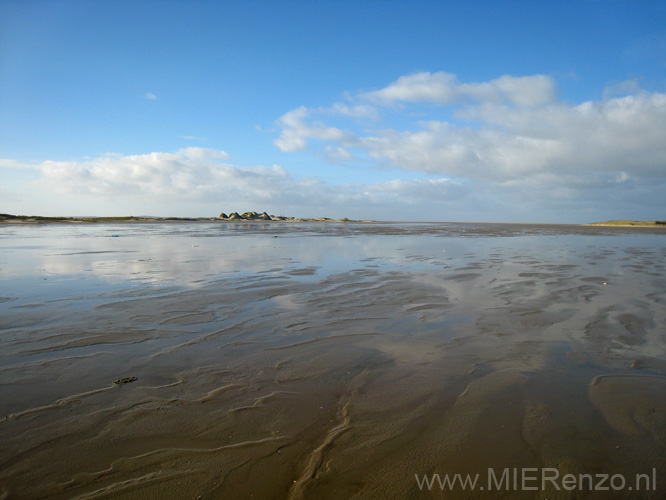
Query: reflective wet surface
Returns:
{"type": "Point", "coordinates": [327, 360]}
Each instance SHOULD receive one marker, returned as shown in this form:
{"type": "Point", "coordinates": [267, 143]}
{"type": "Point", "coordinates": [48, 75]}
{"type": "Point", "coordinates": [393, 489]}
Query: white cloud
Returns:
{"type": "Point", "coordinates": [510, 141]}
{"type": "Point", "coordinates": [363, 111]}
{"type": "Point", "coordinates": [525, 91]}
{"type": "Point", "coordinates": [515, 129]}
{"type": "Point", "coordinates": [296, 131]}
{"type": "Point", "coordinates": [620, 89]}
{"type": "Point", "coordinates": [439, 148]}
{"type": "Point", "coordinates": [196, 181]}
{"type": "Point", "coordinates": [188, 174]}
{"type": "Point", "coordinates": [438, 87]}
{"type": "Point", "coordinates": [504, 149]}
{"type": "Point", "coordinates": [440, 190]}
{"type": "Point", "coordinates": [13, 164]}
{"type": "Point", "coordinates": [163, 183]}
{"type": "Point", "coordinates": [150, 96]}
{"type": "Point", "coordinates": [337, 153]}
{"type": "Point", "coordinates": [443, 88]}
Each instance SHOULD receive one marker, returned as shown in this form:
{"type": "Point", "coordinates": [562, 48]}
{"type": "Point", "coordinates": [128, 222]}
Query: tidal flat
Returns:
{"type": "Point", "coordinates": [336, 360]}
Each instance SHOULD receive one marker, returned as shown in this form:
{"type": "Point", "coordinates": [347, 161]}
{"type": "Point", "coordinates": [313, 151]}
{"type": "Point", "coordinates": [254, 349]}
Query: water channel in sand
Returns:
{"type": "Point", "coordinates": [278, 360]}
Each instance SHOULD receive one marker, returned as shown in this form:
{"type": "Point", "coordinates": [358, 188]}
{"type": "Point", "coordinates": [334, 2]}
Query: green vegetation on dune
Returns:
{"type": "Point", "coordinates": [233, 217]}
{"type": "Point", "coordinates": [130, 218]}
{"type": "Point", "coordinates": [630, 223]}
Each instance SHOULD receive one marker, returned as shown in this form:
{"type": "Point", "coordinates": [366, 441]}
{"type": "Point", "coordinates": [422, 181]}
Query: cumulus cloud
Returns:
{"type": "Point", "coordinates": [613, 135]}
{"type": "Point", "coordinates": [504, 129]}
{"type": "Point", "coordinates": [204, 177]}
{"type": "Point", "coordinates": [364, 111]}
{"type": "Point", "coordinates": [439, 190]}
{"type": "Point", "coordinates": [188, 174]}
{"type": "Point", "coordinates": [509, 141]}
{"type": "Point", "coordinates": [296, 131]}
{"type": "Point", "coordinates": [504, 149]}
{"type": "Point", "coordinates": [443, 88]}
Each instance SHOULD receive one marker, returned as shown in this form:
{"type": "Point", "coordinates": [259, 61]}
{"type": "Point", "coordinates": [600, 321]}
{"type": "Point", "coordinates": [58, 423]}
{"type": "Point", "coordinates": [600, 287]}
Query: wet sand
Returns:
{"type": "Point", "coordinates": [328, 361]}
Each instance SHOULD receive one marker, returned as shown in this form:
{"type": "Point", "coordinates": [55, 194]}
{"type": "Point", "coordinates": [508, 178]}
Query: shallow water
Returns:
{"type": "Point", "coordinates": [328, 360]}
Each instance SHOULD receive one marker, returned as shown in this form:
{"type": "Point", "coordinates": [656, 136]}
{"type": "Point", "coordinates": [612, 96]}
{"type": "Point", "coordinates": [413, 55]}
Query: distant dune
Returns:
{"type": "Point", "coordinates": [629, 223]}
{"type": "Point", "coordinates": [245, 217]}
{"type": "Point", "coordinates": [38, 219]}
{"type": "Point", "coordinates": [233, 217]}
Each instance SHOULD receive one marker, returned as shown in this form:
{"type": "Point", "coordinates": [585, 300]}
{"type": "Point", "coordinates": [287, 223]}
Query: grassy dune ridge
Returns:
{"type": "Point", "coordinates": [247, 217]}
{"type": "Point", "coordinates": [627, 223]}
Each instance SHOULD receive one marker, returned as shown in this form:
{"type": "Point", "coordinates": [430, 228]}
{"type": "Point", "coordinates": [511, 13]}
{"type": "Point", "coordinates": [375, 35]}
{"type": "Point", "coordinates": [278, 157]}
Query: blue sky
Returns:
{"type": "Point", "coordinates": [394, 110]}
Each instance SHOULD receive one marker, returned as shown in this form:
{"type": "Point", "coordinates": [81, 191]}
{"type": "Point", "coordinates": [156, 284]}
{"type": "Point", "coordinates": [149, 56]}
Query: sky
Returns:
{"type": "Point", "coordinates": [486, 111]}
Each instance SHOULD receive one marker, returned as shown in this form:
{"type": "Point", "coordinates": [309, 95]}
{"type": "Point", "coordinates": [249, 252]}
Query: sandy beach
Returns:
{"type": "Point", "coordinates": [331, 360]}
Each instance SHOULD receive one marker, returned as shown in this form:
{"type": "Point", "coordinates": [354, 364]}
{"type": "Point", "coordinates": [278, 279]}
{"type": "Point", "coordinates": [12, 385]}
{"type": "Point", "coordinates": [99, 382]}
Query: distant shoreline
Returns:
{"type": "Point", "coordinates": [38, 219]}
{"type": "Point", "coordinates": [630, 223]}
{"type": "Point", "coordinates": [253, 217]}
